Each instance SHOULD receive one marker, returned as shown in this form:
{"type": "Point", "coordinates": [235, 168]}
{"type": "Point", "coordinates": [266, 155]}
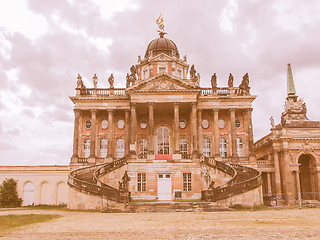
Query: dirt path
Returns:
{"type": "Point", "coordinates": [269, 224]}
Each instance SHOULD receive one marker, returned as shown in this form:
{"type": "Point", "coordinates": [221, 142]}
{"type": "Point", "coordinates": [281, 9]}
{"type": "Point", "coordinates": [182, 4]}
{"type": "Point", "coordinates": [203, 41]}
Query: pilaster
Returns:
{"type": "Point", "coordinates": [110, 133]}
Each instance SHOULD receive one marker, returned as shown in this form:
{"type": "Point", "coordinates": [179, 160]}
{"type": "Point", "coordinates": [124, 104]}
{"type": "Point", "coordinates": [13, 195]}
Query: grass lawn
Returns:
{"type": "Point", "coordinates": [9, 222]}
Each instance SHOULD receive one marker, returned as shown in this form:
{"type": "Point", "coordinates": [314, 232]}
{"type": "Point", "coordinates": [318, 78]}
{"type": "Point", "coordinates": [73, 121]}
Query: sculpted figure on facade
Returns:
{"type": "Point", "coordinates": [79, 81]}
{"type": "Point", "coordinates": [230, 80]}
{"type": "Point", "coordinates": [127, 80]}
{"type": "Point", "coordinates": [111, 81]}
{"type": "Point", "coordinates": [244, 85]}
{"type": "Point", "coordinates": [95, 81]}
{"type": "Point", "coordinates": [214, 81]}
{"type": "Point", "coordinates": [125, 181]}
{"type": "Point", "coordinates": [272, 122]}
{"type": "Point", "coordinates": [192, 72]}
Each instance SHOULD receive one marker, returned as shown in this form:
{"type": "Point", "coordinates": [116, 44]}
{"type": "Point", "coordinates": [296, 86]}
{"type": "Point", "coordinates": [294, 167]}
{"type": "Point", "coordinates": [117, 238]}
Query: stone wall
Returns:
{"type": "Point", "coordinates": [46, 185]}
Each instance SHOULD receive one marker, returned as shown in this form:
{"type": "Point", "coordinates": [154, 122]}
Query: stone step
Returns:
{"type": "Point", "coordinates": [136, 207]}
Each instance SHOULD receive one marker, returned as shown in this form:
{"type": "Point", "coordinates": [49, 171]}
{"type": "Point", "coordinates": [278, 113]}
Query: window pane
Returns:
{"type": "Point", "coordinates": [187, 182]}
{"type": "Point", "coordinates": [120, 149]}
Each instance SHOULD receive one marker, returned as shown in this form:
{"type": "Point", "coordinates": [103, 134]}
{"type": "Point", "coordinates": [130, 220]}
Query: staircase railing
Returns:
{"type": "Point", "coordinates": [94, 185]}
{"type": "Point", "coordinates": [236, 185]}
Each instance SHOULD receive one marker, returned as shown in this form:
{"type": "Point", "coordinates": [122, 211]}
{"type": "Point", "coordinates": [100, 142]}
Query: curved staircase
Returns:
{"type": "Point", "coordinates": [86, 180]}
{"type": "Point", "coordinates": [244, 179]}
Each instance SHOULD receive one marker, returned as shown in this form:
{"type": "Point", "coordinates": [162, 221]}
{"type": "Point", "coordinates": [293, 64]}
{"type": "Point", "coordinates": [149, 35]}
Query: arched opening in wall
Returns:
{"type": "Point", "coordinates": [307, 176]}
{"type": "Point", "coordinates": [62, 194]}
{"type": "Point", "coordinates": [28, 194]}
{"type": "Point", "coordinates": [163, 137]}
{"type": "Point", "coordinates": [45, 194]}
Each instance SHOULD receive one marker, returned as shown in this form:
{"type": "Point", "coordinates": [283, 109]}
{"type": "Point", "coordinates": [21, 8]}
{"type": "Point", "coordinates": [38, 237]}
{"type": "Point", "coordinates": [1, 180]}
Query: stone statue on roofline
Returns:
{"type": "Point", "coordinates": [111, 81]}
{"type": "Point", "coordinates": [244, 85]}
{"type": "Point", "coordinates": [95, 81]}
{"type": "Point", "coordinates": [192, 72]}
{"type": "Point", "coordinates": [79, 81]}
{"type": "Point", "coordinates": [272, 122]}
{"type": "Point", "coordinates": [214, 81]}
{"type": "Point", "coordinates": [230, 81]}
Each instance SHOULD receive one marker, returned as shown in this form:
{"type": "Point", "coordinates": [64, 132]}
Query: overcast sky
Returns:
{"type": "Point", "coordinates": [45, 44]}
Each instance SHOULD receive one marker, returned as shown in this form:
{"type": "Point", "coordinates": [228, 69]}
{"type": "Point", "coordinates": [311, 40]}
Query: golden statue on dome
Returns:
{"type": "Point", "coordinates": [159, 21]}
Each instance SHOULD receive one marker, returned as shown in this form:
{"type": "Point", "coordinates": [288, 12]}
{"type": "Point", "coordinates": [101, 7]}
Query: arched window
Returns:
{"type": "Point", "coordinates": [143, 148]}
{"type": "Point", "coordinates": [239, 147]}
{"type": "Point", "coordinates": [183, 147]}
{"type": "Point", "coordinates": [206, 147]}
{"type": "Point", "coordinates": [223, 147]}
{"type": "Point", "coordinates": [163, 140]}
{"type": "Point", "coordinates": [103, 148]}
{"type": "Point", "coordinates": [86, 148]}
{"type": "Point", "coordinates": [120, 148]}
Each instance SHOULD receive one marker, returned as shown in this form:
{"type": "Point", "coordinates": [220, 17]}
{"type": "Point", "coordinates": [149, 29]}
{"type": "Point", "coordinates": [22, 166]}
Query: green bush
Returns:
{"type": "Point", "coordinates": [8, 194]}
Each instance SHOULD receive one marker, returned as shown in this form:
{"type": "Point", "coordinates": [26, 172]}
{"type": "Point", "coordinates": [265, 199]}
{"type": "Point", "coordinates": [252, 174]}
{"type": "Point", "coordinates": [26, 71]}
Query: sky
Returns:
{"type": "Point", "coordinates": [45, 44]}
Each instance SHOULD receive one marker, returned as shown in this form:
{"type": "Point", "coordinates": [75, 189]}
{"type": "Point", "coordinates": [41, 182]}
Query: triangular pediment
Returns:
{"type": "Point", "coordinates": [162, 57]}
{"type": "Point", "coordinates": [163, 82]}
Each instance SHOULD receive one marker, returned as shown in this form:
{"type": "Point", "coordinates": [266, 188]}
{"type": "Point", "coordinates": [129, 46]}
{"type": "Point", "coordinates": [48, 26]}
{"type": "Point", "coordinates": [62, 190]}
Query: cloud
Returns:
{"type": "Point", "coordinates": [38, 69]}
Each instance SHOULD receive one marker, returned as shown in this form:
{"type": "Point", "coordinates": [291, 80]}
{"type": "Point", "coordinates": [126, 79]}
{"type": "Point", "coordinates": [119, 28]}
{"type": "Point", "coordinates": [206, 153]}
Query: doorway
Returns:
{"type": "Point", "coordinates": [307, 169]}
{"type": "Point", "coordinates": [164, 187]}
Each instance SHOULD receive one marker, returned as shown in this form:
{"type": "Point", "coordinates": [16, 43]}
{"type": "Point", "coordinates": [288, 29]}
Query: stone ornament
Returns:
{"type": "Point", "coordinates": [182, 124]}
{"type": "Point", "coordinates": [120, 124]}
{"type": "Point", "coordinates": [104, 124]}
{"type": "Point", "coordinates": [221, 124]}
{"type": "Point", "coordinates": [205, 123]}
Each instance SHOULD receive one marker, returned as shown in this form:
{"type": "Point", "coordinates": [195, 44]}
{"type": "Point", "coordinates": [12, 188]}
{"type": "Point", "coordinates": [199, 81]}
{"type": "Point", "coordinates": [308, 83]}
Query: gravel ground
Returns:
{"type": "Point", "coordinates": [268, 224]}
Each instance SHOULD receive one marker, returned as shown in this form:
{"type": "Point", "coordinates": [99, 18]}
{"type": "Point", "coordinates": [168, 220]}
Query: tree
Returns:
{"type": "Point", "coordinates": [8, 194]}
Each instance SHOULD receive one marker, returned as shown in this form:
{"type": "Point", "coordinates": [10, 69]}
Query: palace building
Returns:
{"type": "Point", "coordinates": [165, 138]}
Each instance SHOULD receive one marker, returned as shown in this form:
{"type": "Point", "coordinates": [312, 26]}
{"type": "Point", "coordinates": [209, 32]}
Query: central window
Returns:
{"type": "Point", "coordinates": [163, 140]}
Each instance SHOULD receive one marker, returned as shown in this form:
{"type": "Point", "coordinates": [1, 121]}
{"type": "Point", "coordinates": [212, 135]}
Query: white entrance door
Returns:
{"type": "Point", "coordinates": [164, 187]}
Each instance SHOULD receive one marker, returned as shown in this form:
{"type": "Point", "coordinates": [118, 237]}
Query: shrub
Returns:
{"type": "Point", "coordinates": [8, 194]}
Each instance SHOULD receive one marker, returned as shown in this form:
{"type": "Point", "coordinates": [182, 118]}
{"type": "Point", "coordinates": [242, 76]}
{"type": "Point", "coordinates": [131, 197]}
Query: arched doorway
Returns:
{"type": "Point", "coordinates": [28, 194]}
{"type": "Point", "coordinates": [45, 194]}
{"type": "Point", "coordinates": [307, 176]}
{"type": "Point", "coordinates": [62, 193]}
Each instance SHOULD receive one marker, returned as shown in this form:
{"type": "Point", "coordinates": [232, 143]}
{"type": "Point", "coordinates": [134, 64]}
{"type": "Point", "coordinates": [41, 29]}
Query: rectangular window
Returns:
{"type": "Point", "coordinates": [187, 182]}
{"type": "Point", "coordinates": [141, 182]}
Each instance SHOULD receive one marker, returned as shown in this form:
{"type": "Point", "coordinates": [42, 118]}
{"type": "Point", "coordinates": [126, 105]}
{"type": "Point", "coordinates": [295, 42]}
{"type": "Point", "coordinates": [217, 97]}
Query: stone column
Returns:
{"type": "Point", "coordinates": [151, 128]}
{"type": "Point", "coordinates": [110, 133]}
{"type": "Point", "coordinates": [233, 132]}
{"type": "Point", "coordinates": [127, 129]}
{"type": "Point", "coordinates": [194, 127]}
{"type": "Point", "coordinates": [133, 129]}
{"type": "Point", "coordinates": [277, 177]}
{"type": "Point", "coordinates": [250, 132]}
{"type": "Point", "coordinates": [216, 132]}
{"type": "Point", "coordinates": [93, 133]}
{"type": "Point", "coordinates": [200, 131]}
{"type": "Point", "coordinates": [176, 128]}
{"type": "Point", "coordinates": [76, 132]}
{"type": "Point", "coordinates": [287, 175]}
{"type": "Point", "coordinates": [318, 176]}
{"type": "Point", "coordinates": [269, 183]}
{"type": "Point", "coordinates": [298, 188]}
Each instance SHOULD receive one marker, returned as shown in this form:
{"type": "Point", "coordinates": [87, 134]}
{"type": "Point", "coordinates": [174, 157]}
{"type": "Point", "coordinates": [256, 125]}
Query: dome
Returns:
{"type": "Point", "coordinates": [162, 45]}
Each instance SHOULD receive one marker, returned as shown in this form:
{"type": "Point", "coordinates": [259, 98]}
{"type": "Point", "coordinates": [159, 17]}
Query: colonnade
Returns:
{"type": "Point", "coordinates": [196, 131]}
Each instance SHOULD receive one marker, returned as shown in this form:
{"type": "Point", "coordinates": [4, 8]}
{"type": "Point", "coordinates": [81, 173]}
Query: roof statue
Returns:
{"type": "Point", "coordinates": [95, 80]}
{"type": "Point", "coordinates": [159, 21]}
{"type": "Point", "coordinates": [291, 90]}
